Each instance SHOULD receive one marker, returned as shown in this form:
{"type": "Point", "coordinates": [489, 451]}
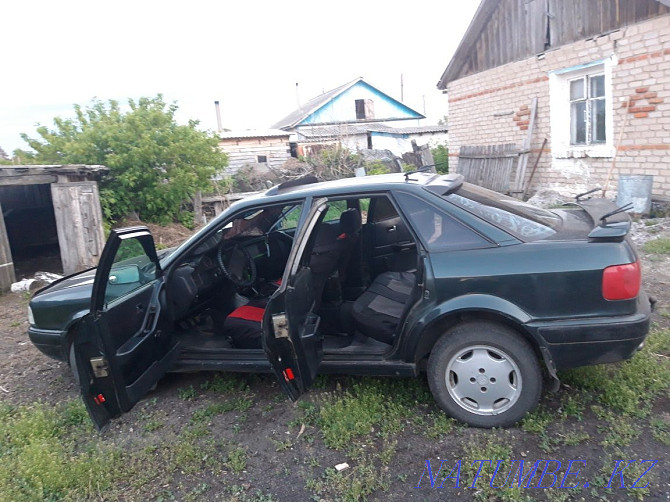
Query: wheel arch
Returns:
{"type": "Point", "coordinates": [69, 332]}
{"type": "Point", "coordinates": [436, 328]}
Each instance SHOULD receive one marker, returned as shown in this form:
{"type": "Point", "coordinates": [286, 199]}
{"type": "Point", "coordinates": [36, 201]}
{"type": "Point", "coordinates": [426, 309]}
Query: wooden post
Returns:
{"type": "Point", "coordinates": [79, 224]}
{"type": "Point", "coordinates": [197, 208]}
{"type": "Point", "coordinates": [525, 151]}
{"type": "Point", "coordinates": [7, 275]}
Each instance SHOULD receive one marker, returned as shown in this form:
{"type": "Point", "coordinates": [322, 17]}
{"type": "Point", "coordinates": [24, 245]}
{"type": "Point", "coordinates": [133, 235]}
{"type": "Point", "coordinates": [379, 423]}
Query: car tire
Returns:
{"type": "Point", "coordinates": [73, 363]}
{"type": "Point", "coordinates": [484, 374]}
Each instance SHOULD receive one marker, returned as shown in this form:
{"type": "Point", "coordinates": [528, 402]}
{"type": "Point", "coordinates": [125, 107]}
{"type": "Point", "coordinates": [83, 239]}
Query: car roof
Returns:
{"type": "Point", "coordinates": [344, 186]}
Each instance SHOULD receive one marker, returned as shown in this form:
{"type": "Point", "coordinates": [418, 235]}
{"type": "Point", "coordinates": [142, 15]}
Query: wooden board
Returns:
{"type": "Point", "coordinates": [7, 275]}
{"type": "Point", "coordinates": [79, 224]}
{"type": "Point", "coordinates": [489, 166]}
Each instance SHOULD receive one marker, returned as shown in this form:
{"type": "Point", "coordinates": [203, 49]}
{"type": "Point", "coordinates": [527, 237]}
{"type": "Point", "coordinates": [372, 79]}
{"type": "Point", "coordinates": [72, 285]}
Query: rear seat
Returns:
{"type": "Point", "coordinates": [380, 308]}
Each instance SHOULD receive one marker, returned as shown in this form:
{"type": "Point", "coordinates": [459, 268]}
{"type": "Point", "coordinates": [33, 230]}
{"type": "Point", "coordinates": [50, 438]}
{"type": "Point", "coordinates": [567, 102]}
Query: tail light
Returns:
{"type": "Point", "coordinates": [621, 282]}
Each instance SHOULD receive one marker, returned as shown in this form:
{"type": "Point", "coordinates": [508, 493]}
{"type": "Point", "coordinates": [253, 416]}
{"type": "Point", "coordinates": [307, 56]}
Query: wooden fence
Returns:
{"type": "Point", "coordinates": [489, 166]}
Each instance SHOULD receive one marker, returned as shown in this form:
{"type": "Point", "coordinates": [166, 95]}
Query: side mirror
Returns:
{"type": "Point", "coordinates": [125, 274]}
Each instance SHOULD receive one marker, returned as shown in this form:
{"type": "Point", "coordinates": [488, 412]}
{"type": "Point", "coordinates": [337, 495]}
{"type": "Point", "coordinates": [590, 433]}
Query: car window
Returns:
{"type": "Point", "coordinates": [335, 209]}
{"type": "Point", "coordinates": [132, 268]}
{"type": "Point", "coordinates": [383, 209]}
{"type": "Point", "coordinates": [522, 220]}
{"type": "Point", "coordinates": [259, 221]}
{"type": "Point", "coordinates": [290, 218]}
{"type": "Point", "coordinates": [364, 205]}
{"type": "Point", "coordinates": [438, 230]}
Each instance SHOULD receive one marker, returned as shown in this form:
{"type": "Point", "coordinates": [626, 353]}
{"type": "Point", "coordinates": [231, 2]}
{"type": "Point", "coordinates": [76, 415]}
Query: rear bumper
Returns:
{"type": "Point", "coordinates": [49, 342]}
{"type": "Point", "coordinates": [582, 342]}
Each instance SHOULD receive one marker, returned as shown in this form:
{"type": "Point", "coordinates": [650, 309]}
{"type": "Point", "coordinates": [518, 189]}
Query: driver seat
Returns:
{"type": "Point", "coordinates": [332, 244]}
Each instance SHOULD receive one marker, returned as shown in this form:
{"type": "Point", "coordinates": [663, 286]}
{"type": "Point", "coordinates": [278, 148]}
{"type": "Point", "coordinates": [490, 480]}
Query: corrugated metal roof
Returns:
{"type": "Point", "coordinates": [254, 133]}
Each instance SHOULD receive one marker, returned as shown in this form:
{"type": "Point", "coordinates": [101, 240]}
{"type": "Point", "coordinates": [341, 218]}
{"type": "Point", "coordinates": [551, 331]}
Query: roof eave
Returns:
{"type": "Point", "coordinates": [479, 20]}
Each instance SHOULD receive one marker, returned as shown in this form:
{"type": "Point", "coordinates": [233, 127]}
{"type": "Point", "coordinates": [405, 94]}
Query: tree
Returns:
{"type": "Point", "coordinates": [441, 158]}
{"type": "Point", "coordinates": [155, 164]}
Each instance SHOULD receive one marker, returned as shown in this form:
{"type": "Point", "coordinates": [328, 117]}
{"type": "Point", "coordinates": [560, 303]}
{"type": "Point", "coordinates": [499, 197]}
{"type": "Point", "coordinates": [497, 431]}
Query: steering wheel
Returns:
{"type": "Point", "coordinates": [236, 263]}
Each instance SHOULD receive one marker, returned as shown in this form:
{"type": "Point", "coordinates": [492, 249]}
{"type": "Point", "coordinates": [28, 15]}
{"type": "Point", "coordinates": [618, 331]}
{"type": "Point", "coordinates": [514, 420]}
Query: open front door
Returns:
{"type": "Point", "coordinates": [291, 335]}
{"type": "Point", "coordinates": [122, 347]}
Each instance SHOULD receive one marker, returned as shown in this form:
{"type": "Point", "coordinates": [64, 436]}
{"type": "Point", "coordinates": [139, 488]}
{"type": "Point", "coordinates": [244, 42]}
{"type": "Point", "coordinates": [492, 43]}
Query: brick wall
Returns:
{"type": "Point", "coordinates": [493, 107]}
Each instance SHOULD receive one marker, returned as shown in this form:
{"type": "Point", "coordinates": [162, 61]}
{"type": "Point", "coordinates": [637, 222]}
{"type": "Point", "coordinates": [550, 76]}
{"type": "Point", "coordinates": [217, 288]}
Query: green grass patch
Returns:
{"type": "Point", "coordinates": [363, 478]}
{"type": "Point", "coordinates": [441, 426]}
{"type": "Point", "coordinates": [657, 246]}
{"type": "Point", "coordinates": [225, 383]}
{"type": "Point", "coordinates": [629, 387]}
{"type": "Point", "coordinates": [490, 445]}
{"type": "Point", "coordinates": [236, 460]}
{"type": "Point", "coordinates": [187, 393]}
{"type": "Point", "coordinates": [537, 420]}
{"type": "Point", "coordinates": [660, 429]}
{"type": "Point", "coordinates": [39, 459]}
{"type": "Point", "coordinates": [378, 407]}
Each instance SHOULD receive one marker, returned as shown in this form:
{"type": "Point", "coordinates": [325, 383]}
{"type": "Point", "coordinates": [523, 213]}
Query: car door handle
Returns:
{"type": "Point", "coordinates": [392, 228]}
{"type": "Point", "coordinates": [140, 308]}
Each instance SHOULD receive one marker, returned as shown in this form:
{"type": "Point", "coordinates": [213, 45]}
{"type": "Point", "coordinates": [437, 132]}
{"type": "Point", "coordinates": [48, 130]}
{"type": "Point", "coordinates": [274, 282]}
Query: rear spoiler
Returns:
{"type": "Point", "coordinates": [611, 222]}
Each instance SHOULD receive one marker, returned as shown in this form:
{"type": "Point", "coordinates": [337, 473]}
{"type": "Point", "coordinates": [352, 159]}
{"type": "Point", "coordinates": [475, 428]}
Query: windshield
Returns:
{"type": "Point", "coordinates": [522, 220]}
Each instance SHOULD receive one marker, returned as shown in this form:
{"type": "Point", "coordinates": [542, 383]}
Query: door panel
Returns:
{"type": "Point", "coordinates": [393, 247]}
{"type": "Point", "coordinates": [291, 336]}
{"type": "Point", "coordinates": [124, 345]}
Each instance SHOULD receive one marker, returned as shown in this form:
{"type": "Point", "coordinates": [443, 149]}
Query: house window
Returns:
{"type": "Point", "coordinates": [365, 109]}
{"type": "Point", "coordinates": [581, 110]}
{"type": "Point", "coordinates": [587, 110]}
{"type": "Point", "coordinates": [262, 159]}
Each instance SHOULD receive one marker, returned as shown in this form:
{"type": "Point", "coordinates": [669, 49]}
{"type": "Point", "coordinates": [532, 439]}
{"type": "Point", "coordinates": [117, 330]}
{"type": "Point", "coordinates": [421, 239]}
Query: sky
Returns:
{"type": "Point", "coordinates": [249, 55]}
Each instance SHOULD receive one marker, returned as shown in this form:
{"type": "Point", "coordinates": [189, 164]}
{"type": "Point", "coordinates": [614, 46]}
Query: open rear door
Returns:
{"type": "Point", "coordinates": [291, 335]}
{"type": "Point", "coordinates": [122, 347]}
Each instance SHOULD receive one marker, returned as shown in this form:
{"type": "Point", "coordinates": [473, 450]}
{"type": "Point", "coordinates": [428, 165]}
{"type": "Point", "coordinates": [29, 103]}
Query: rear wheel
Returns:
{"type": "Point", "coordinates": [484, 374]}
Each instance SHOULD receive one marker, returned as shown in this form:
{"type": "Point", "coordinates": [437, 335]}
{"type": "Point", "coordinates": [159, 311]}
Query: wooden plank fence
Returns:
{"type": "Point", "coordinates": [489, 166]}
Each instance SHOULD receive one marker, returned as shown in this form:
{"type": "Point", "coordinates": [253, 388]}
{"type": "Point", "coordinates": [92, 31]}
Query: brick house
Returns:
{"type": "Point", "coordinates": [600, 70]}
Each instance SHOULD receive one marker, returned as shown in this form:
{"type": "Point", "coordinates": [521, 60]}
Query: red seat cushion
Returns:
{"type": "Point", "coordinates": [248, 313]}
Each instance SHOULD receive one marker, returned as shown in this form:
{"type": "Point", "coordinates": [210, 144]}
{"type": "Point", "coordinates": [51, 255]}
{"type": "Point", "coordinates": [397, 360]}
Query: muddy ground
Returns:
{"type": "Point", "coordinates": [281, 463]}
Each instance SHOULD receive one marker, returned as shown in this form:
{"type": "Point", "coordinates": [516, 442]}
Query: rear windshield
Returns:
{"type": "Point", "coordinates": [525, 221]}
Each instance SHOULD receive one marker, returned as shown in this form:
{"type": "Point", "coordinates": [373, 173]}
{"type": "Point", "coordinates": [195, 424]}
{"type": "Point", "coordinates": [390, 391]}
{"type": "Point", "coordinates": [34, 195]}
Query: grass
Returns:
{"type": "Point", "coordinates": [657, 246]}
{"type": "Point", "coordinates": [361, 419]}
{"type": "Point", "coordinates": [225, 383]}
{"type": "Point", "coordinates": [187, 393]}
{"type": "Point", "coordinates": [237, 460]}
{"type": "Point", "coordinates": [366, 409]}
{"type": "Point", "coordinates": [52, 452]}
{"type": "Point", "coordinates": [629, 387]}
{"type": "Point", "coordinates": [660, 429]}
{"type": "Point", "coordinates": [39, 459]}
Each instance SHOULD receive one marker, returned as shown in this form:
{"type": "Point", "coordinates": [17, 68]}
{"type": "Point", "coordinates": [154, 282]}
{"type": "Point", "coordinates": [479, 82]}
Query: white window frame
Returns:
{"type": "Point", "coordinates": [559, 91]}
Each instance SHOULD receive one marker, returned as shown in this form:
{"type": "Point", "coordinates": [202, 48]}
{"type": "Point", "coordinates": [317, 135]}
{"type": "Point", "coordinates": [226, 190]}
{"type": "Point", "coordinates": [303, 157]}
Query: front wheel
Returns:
{"type": "Point", "coordinates": [484, 374]}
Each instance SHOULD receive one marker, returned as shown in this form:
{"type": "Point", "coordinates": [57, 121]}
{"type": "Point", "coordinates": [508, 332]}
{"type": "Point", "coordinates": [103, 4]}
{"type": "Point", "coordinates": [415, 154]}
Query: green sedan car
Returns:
{"type": "Point", "coordinates": [382, 275]}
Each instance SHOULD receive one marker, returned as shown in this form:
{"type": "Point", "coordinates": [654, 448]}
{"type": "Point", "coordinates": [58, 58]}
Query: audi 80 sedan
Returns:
{"type": "Point", "coordinates": [383, 275]}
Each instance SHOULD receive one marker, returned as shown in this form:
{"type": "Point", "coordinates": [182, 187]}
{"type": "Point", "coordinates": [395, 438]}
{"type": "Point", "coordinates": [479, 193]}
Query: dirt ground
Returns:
{"type": "Point", "coordinates": [280, 461]}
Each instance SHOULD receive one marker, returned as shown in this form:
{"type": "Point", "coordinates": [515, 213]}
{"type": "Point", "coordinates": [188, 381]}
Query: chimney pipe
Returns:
{"type": "Point", "coordinates": [218, 116]}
